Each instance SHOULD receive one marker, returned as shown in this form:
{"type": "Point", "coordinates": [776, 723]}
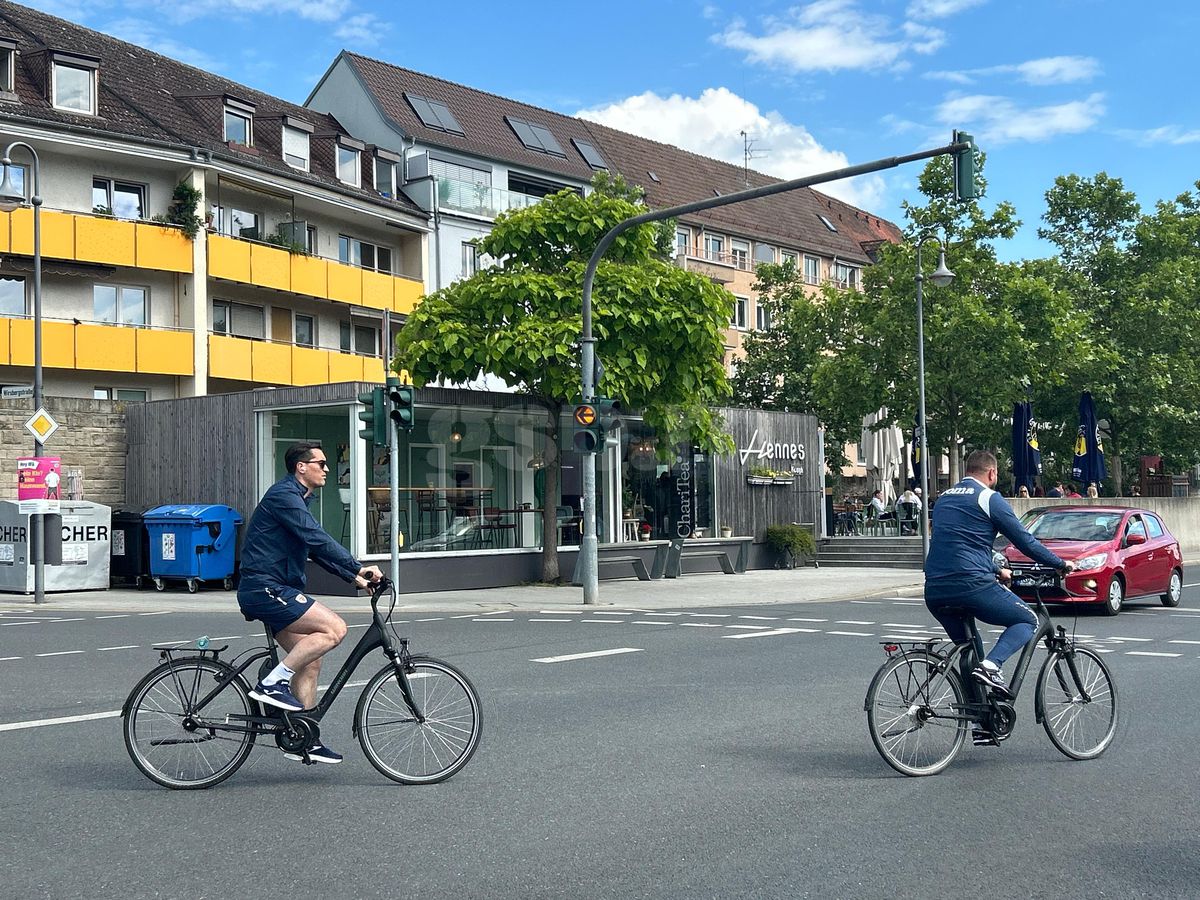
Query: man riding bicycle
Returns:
{"type": "Point", "coordinates": [281, 538]}
{"type": "Point", "coordinates": [959, 570]}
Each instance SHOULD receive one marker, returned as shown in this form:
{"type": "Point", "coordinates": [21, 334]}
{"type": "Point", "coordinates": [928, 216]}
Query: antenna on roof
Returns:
{"type": "Point", "coordinates": [749, 152]}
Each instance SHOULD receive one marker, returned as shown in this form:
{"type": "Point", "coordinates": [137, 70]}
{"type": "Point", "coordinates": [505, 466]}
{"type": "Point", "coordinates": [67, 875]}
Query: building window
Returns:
{"type": "Point", "coordinates": [740, 253]}
{"type": "Point", "coordinates": [235, 222]}
{"type": "Point", "coordinates": [296, 147]}
{"type": "Point", "coordinates": [120, 303]}
{"type": "Point", "coordinates": [740, 316]}
{"type": "Point", "coordinates": [590, 154]}
{"type": "Point", "coordinates": [762, 317]}
{"type": "Point", "coordinates": [786, 257]}
{"type": "Point", "coordinates": [238, 320]}
{"type": "Point", "coordinates": [348, 169]}
{"type": "Point", "coordinates": [434, 114]}
{"type": "Point", "coordinates": [714, 247]}
{"type": "Point", "coordinates": [360, 339]}
{"type": "Point", "coordinates": [126, 395]}
{"type": "Point", "coordinates": [860, 454]}
{"type": "Point", "coordinates": [8, 56]}
{"type": "Point", "coordinates": [310, 239]}
{"type": "Point", "coordinates": [74, 88]}
{"type": "Point", "coordinates": [385, 176]}
{"type": "Point", "coordinates": [827, 223]}
{"type": "Point", "coordinates": [535, 137]}
{"type": "Point", "coordinates": [122, 199]}
{"type": "Point", "coordinates": [845, 276]}
{"type": "Point", "coordinates": [812, 270]}
{"type": "Point", "coordinates": [306, 331]}
{"type": "Point", "coordinates": [470, 259]}
{"type": "Point", "coordinates": [12, 296]}
{"type": "Point", "coordinates": [354, 252]}
{"type": "Point", "coordinates": [683, 242]}
{"type": "Point", "coordinates": [238, 127]}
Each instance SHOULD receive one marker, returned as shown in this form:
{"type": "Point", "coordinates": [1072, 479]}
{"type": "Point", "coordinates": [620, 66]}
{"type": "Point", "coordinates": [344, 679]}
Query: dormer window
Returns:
{"type": "Point", "coordinates": [296, 152]}
{"type": "Point", "coordinates": [386, 171]}
{"type": "Point", "coordinates": [349, 165]}
{"type": "Point", "coordinates": [73, 82]}
{"type": "Point", "coordinates": [239, 123]}
{"type": "Point", "coordinates": [8, 57]}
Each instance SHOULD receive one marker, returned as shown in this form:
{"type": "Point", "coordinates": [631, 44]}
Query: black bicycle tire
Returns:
{"type": "Point", "coordinates": [1106, 741]}
{"type": "Point", "coordinates": [877, 739]}
{"type": "Point", "coordinates": [371, 691]}
{"type": "Point", "coordinates": [129, 710]}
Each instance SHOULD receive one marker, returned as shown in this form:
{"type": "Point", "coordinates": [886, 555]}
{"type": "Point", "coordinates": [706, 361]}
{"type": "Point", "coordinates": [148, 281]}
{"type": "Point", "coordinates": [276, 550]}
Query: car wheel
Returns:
{"type": "Point", "coordinates": [1116, 596]}
{"type": "Point", "coordinates": [1174, 589]}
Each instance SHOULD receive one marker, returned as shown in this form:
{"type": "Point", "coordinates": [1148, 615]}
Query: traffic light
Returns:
{"type": "Point", "coordinates": [964, 168]}
{"type": "Point", "coordinates": [373, 417]}
{"type": "Point", "coordinates": [401, 397]}
{"type": "Point", "coordinates": [609, 413]}
{"type": "Point", "coordinates": [588, 437]}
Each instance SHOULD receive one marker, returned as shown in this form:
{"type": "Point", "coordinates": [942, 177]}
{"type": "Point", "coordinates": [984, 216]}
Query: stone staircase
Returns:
{"type": "Point", "coordinates": [870, 552]}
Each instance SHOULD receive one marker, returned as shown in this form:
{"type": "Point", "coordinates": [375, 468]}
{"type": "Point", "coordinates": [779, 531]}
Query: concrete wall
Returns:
{"type": "Point", "coordinates": [1180, 514]}
{"type": "Point", "coordinates": [90, 436]}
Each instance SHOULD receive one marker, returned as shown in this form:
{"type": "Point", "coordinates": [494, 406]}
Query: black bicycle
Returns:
{"type": "Point", "coordinates": [191, 722]}
{"type": "Point", "coordinates": [922, 700]}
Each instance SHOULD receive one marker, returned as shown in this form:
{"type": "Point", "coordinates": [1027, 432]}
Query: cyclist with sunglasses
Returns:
{"type": "Point", "coordinates": [281, 537]}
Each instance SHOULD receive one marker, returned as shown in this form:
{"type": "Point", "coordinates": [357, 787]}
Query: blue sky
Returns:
{"type": "Point", "coordinates": [1048, 88]}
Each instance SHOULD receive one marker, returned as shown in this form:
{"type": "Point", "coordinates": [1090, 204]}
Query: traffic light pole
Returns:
{"type": "Point", "coordinates": [393, 476]}
{"type": "Point", "coordinates": [589, 568]}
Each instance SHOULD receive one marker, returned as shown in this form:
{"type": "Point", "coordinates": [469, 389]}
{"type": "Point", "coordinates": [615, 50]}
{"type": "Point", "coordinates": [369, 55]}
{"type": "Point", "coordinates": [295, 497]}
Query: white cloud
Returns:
{"type": "Point", "coordinates": [710, 125]}
{"type": "Point", "coordinates": [143, 34]}
{"type": "Point", "coordinates": [363, 29]}
{"type": "Point", "coordinates": [312, 10]}
{"type": "Point", "coordinates": [1039, 72]}
{"type": "Point", "coordinates": [1165, 134]}
{"type": "Point", "coordinates": [939, 9]}
{"type": "Point", "coordinates": [998, 120]}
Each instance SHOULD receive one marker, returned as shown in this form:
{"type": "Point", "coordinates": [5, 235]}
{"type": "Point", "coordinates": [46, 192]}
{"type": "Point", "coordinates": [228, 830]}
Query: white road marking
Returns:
{"type": "Point", "coordinates": [66, 620]}
{"type": "Point", "coordinates": [1186, 615]}
{"type": "Point", "coordinates": [852, 633]}
{"type": "Point", "coordinates": [15, 624]}
{"type": "Point", "coordinates": [709, 615]}
{"type": "Point", "coordinates": [360, 625]}
{"type": "Point", "coordinates": [590, 655]}
{"type": "Point", "coordinates": [905, 625]}
{"type": "Point", "coordinates": [798, 619]}
{"type": "Point", "coordinates": [117, 616]}
{"type": "Point", "coordinates": [852, 622]}
{"type": "Point", "coordinates": [64, 720]}
{"type": "Point", "coordinates": [771, 633]}
{"type": "Point", "coordinates": [553, 620]}
{"type": "Point", "coordinates": [602, 621]}
{"type": "Point", "coordinates": [1139, 640]}
{"type": "Point", "coordinates": [1130, 612]}
{"type": "Point", "coordinates": [127, 646]}
{"type": "Point", "coordinates": [491, 620]}
{"type": "Point", "coordinates": [162, 612]}
{"type": "Point", "coordinates": [432, 619]}
{"type": "Point", "coordinates": [466, 616]}
{"type": "Point", "coordinates": [648, 622]}
{"type": "Point", "coordinates": [494, 612]}
{"type": "Point", "coordinates": [908, 603]}
{"type": "Point", "coordinates": [561, 612]}
{"type": "Point", "coordinates": [748, 627]}
{"type": "Point", "coordinates": [170, 643]}
{"type": "Point", "coordinates": [1193, 584]}
{"type": "Point", "coordinates": [348, 684]}
{"type": "Point", "coordinates": [1150, 653]}
{"type": "Point", "coordinates": [760, 618]}
{"type": "Point", "coordinates": [696, 624]}
{"type": "Point", "coordinates": [663, 614]}
{"type": "Point", "coordinates": [1183, 642]}
{"type": "Point", "coordinates": [61, 653]}
{"type": "Point", "coordinates": [868, 602]}
{"type": "Point", "coordinates": [7, 658]}
{"type": "Point", "coordinates": [227, 637]}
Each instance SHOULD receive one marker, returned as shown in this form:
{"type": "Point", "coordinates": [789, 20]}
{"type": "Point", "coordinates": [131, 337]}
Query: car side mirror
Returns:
{"type": "Point", "coordinates": [1132, 540]}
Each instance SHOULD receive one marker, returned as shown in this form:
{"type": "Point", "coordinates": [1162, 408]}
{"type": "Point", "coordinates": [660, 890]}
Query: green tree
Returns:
{"type": "Point", "coordinates": [659, 329]}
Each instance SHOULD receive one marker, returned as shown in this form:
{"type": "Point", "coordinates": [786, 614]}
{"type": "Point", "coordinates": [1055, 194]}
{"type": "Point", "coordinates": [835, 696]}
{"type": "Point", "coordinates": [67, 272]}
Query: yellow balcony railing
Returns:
{"type": "Point", "coordinates": [97, 239]}
{"type": "Point", "coordinates": [249, 262]}
{"type": "Point", "coordinates": [97, 347]}
{"type": "Point", "coordinates": [264, 362]}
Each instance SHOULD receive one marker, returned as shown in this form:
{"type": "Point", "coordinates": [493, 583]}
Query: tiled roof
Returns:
{"type": "Point", "coordinates": [148, 97]}
{"type": "Point", "coordinates": [480, 114]}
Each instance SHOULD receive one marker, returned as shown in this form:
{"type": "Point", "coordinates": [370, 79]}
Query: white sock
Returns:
{"type": "Point", "coordinates": [278, 674]}
{"type": "Point", "coordinates": [990, 666]}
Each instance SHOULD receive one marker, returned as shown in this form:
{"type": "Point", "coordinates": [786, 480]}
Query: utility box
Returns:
{"type": "Point", "coordinates": [130, 547]}
{"type": "Point", "coordinates": [76, 557]}
{"type": "Point", "coordinates": [193, 543]}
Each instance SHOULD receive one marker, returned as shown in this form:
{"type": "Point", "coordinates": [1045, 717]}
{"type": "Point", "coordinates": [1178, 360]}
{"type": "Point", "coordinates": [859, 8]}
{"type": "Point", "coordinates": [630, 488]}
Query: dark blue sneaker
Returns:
{"type": "Point", "coordinates": [318, 752]}
{"type": "Point", "coordinates": [278, 694]}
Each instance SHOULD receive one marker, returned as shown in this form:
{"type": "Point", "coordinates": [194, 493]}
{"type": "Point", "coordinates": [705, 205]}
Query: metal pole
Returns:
{"type": "Point", "coordinates": [393, 472]}
{"type": "Point", "coordinates": [925, 500]}
{"type": "Point", "coordinates": [588, 566]}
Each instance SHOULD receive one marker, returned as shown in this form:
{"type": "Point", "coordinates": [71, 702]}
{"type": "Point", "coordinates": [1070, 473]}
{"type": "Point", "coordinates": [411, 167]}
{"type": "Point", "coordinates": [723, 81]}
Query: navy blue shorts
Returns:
{"type": "Point", "coordinates": [276, 605]}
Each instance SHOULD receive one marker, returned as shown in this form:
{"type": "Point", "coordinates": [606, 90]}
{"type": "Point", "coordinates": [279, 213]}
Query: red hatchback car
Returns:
{"type": "Point", "coordinates": [1118, 552]}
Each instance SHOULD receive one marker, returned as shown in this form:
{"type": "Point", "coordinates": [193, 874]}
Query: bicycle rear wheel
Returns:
{"type": "Point", "coordinates": [172, 745]}
{"type": "Point", "coordinates": [419, 752]}
{"type": "Point", "coordinates": [1080, 728]}
{"type": "Point", "coordinates": [914, 714]}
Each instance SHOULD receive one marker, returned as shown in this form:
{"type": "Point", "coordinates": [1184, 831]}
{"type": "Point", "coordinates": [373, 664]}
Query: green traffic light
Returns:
{"type": "Point", "coordinates": [402, 397]}
{"type": "Point", "coordinates": [964, 168]}
{"type": "Point", "coordinates": [373, 418]}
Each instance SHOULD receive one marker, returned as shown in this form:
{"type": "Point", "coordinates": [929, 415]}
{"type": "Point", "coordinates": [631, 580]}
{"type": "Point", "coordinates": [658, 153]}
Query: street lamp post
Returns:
{"type": "Point", "coordinates": [12, 197]}
{"type": "Point", "coordinates": [941, 277]}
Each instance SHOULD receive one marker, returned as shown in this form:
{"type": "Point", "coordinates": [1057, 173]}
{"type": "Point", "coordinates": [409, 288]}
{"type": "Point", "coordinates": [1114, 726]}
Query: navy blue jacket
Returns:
{"type": "Point", "coordinates": [283, 535]}
{"type": "Point", "coordinates": [966, 519]}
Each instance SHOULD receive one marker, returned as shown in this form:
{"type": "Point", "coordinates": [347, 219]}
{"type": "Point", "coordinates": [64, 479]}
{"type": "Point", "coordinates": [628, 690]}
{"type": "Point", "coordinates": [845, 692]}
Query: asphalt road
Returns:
{"type": "Point", "coordinates": [724, 754]}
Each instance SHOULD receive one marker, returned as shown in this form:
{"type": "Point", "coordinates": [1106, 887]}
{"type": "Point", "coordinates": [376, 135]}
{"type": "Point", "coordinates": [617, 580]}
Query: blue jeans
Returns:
{"type": "Point", "coordinates": [993, 604]}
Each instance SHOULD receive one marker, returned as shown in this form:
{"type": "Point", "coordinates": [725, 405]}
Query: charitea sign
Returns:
{"type": "Point", "coordinates": [765, 449]}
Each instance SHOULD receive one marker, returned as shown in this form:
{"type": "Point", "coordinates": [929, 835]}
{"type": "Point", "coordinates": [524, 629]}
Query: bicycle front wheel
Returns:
{"type": "Point", "coordinates": [426, 750]}
{"type": "Point", "coordinates": [171, 742]}
{"type": "Point", "coordinates": [914, 713]}
{"type": "Point", "coordinates": [1080, 726]}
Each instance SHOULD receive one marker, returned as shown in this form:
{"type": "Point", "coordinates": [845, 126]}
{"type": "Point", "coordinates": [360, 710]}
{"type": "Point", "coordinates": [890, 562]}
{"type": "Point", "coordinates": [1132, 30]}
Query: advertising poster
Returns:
{"type": "Point", "coordinates": [38, 484]}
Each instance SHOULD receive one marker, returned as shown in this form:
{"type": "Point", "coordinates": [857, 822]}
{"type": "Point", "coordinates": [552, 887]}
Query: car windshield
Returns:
{"type": "Point", "coordinates": [1075, 526]}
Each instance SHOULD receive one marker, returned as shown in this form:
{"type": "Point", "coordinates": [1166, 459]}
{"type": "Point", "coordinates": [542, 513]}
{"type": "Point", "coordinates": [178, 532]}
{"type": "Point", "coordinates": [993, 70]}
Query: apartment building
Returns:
{"type": "Point", "coordinates": [299, 239]}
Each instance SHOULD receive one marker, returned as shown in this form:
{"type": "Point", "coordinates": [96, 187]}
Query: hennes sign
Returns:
{"type": "Point", "coordinates": [768, 450]}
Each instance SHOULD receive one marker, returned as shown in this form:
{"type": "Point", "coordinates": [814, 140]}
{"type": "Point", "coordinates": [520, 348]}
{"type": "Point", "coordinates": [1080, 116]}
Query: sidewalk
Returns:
{"type": "Point", "coordinates": [760, 586]}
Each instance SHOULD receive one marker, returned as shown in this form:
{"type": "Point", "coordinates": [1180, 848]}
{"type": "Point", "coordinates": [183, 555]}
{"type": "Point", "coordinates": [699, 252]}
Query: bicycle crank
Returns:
{"type": "Point", "coordinates": [1003, 720]}
{"type": "Point", "coordinates": [296, 736]}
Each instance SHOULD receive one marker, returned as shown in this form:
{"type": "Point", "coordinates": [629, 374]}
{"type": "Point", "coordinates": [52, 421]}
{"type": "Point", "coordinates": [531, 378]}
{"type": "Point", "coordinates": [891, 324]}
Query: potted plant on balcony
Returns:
{"type": "Point", "coordinates": [759, 475]}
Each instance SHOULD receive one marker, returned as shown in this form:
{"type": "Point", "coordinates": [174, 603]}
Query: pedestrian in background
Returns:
{"type": "Point", "coordinates": [1091, 490]}
{"type": "Point", "coordinates": [1023, 491]}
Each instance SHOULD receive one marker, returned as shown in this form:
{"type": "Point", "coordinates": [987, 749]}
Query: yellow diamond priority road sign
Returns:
{"type": "Point", "coordinates": [41, 425]}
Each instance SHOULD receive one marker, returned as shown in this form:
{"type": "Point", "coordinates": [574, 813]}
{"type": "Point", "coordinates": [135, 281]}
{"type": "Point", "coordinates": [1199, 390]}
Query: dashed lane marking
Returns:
{"type": "Point", "coordinates": [695, 624]}
{"type": "Point", "coordinates": [852, 633]}
{"type": "Point", "coordinates": [711, 615]}
{"type": "Point", "coordinates": [560, 612]}
{"type": "Point", "coordinates": [65, 620]}
{"type": "Point", "coordinates": [800, 619]}
{"type": "Point", "coordinates": [748, 627]}
{"type": "Point", "coordinates": [1183, 642]}
{"type": "Point", "coordinates": [603, 621]}
{"type": "Point", "coordinates": [8, 658]}
{"type": "Point", "coordinates": [61, 653]}
{"type": "Point", "coordinates": [852, 622]}
{"type": "Point", "coordinates": [1150, 653]}
{"type": "Point", "coordinates": [569, 657]}
{"type": "Point", "coordinates": [491, 620]}
{"type": "Point", "coordinates": [757, 634]}
{"type": "Point", "coordinates": [62, 720]}
{"type": "Point", "coordinates": [117, 616]}
{"type": "Point", "coordinates": [664, 614]}
{"type": "Point", "coordinates": [133, 646]}
{"type": "Point", "coordinates": [552, 620]}
{"type": "Point", "coordinates": [651, 622]}
{"type": "Point", "coordinates": [761, 618]}
{"type": "Point", "coordinates": [1138, 640]}
{"type": "Point", "coordinates": [432, 619]}
{"type": "Point", "coordinates": [161, 612]}
{"type": "Point", "coordinates": [15, 624]}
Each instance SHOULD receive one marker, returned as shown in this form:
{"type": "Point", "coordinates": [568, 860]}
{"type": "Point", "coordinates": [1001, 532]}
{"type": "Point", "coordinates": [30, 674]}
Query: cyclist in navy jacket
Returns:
{"type": "Point", "coordinates": [959, 570]}
{"type": "Point", "coordinates": [281, 538]}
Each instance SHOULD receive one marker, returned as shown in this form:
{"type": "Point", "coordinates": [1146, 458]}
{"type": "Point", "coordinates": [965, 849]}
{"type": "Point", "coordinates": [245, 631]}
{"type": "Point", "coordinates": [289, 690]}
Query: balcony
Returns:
{"type": "Point", "coordinates": [97, 239]}
{"type": "Point", "coordinates": [480, 199]}
{"type": "Point", "coordinates": [267, 362]}
{"type": "Point", "coordinates": [264, 265]}
{"type": "Point", "coordinates": [98, 347]}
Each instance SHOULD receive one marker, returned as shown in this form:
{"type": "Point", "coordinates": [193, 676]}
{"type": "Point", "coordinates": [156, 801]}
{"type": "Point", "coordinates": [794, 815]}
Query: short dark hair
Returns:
{"type": "Point", "coordinates": [980, 461]}
{"type": "Point", "coordinates": [299, 452]}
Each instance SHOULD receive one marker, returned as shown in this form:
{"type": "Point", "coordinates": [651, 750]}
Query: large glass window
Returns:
{"type": "Point", "coordinates": [306, 331]}
{"type": "Point", "coordinates": [354, 252]}
{"type": "Point", "coordinates": [385, 176]}
{"type": "Point", "coordinates": [348, 170]}
{"type": "Point", "coordinates": [236, 222]}
{"type": "Point", "coordinates": [237, 127]}
{"type": "Point", "coordinates": [7, 57]}
{"type": "Point", "coordinates": [121, 303]}
{"type": "Point", "coordinates": [740, 252]}
{"type": "Point", "coordinates": [812, 270]}
{"type": "Point", "coordinates": [470, 259]}
{"type": "Point", "coordinates": [122, 199]}
{"type": "Point", "coordinates": [683, 242]}
{"type": "Point", "coordinates": [74, 88]}
{"type": "Point", "coordinates": [740, 314]}
{"type": "Point", "coordinates": [238, 319]}
{"type": "Point", "coordinates": [295, 147]}
{"type": "Point", "coordinates": [12, 296]}
{"type": "Point", "coordinates": [360, 339]}
{"type": "Point", "coordinates": [714, 247]}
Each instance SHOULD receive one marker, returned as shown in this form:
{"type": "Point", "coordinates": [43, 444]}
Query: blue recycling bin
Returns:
{"type": "Point", "coordinates": [192, 543]}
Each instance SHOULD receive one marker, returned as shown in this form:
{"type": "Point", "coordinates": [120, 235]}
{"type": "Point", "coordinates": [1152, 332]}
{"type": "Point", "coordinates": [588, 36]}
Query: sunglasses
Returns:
{"type": "Point", "coordinates": [323, 463]}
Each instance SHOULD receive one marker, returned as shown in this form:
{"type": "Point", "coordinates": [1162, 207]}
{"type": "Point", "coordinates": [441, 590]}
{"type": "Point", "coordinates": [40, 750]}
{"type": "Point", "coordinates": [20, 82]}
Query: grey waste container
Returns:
{"type": "Point", "coordinates": [86, 536]}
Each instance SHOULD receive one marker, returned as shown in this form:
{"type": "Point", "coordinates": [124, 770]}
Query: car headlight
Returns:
{"type": "Point", "coordinates": [1090, 562]}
